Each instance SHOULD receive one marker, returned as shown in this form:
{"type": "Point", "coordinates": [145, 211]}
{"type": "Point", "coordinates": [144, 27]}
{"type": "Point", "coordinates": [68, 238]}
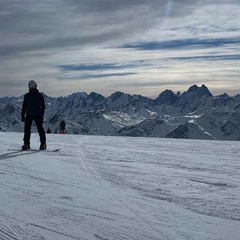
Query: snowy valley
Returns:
{"type": "Point", "coordinates": [194, 114]}
{"type": "Point", "coordinates": [119, 188]}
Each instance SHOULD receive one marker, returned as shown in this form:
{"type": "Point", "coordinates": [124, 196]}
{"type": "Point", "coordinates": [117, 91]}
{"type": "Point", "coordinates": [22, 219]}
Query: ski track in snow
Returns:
{"type": "Point", "coordinates": [118, 188]}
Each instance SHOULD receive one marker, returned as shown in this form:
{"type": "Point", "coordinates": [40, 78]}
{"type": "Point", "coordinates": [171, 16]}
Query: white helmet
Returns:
{"type": "Point", "coordinates": [32, 84]}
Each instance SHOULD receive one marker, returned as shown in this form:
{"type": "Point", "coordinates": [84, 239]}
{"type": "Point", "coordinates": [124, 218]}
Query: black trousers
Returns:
{"type": "Point", "coordinates": [27, 128]}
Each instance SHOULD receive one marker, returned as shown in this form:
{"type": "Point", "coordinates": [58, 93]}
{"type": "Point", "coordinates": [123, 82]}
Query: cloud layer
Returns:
{"type": "Point", "coordinates": [138, 46]}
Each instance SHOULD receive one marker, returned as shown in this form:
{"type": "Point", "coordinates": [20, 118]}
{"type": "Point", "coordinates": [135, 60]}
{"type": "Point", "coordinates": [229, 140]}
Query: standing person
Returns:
{"type": "Point", "coordinates": [62, 127]}
{"type": "Point", "coordinates": [33, 109]}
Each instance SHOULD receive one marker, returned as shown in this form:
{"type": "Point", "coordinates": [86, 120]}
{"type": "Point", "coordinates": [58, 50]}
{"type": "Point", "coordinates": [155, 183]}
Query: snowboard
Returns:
{"type": "Point", "coordinates": [35, 150]}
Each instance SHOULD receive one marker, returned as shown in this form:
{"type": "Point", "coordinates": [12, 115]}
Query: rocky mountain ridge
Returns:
{"type": "Point", "coordinates": [194, 114]}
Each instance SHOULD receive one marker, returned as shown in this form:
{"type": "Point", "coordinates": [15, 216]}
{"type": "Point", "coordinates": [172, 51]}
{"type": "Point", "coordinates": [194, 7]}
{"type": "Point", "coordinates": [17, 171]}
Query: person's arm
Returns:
{"type": "Point", "coordinates": [42, 105]}
{"type": "Point", "coordinates": [24, 108]}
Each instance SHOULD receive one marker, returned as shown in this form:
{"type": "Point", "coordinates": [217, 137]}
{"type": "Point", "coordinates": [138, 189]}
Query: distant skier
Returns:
{"type": "Point", "coordinates": [33, 109]}
{"type": "Point", "coordinates": [62, 127]}
{"type": "Point", "coordinates": [49, 130]}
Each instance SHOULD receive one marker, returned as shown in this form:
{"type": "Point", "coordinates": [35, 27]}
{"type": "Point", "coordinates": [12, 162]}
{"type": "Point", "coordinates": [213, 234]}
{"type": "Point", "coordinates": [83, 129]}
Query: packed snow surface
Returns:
{"type": "Point", "coordinates": [110, 188]}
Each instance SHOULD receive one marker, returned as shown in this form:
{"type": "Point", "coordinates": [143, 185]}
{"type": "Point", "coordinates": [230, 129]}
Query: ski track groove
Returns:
{"type": "Point", "coordinates": [57, 232]}
{"type": "Point", "coordinates": [66, 214]}
{"type": "Point", "coordinates": [93, 172]}
{"type": "Point", "coordinates": [8, 231]}
{"type": "Point", "coordinates": [85, 165]}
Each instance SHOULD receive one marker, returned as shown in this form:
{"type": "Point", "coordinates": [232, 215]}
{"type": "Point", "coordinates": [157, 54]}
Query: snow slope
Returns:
{"type": "Point", "coordinates": [109, 188]}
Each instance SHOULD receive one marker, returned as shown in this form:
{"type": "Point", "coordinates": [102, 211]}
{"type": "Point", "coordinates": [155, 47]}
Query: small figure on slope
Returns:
{"type": "Point", "coordinates": [62, 127]}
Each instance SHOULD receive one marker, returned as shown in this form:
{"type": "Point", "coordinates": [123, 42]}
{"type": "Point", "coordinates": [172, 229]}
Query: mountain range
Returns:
{"type": "Point", "coordinates": [194, 114]}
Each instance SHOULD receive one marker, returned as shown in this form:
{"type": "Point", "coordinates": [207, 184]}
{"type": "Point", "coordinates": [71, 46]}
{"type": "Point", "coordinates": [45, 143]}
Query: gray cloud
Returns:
{"type": "Point", "coordinates": [184, 43]}
{"type": "Point", "coordinates": [36, 36]}
{"type": "Point", "coordinates": [34, 25]}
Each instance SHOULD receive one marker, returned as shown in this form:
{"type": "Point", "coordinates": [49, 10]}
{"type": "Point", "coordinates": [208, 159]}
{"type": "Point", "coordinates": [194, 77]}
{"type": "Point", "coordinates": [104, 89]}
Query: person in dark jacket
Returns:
{"type": "Point", "coordinates": [33, 109]}
{"type": "Point", "coordinates": [62, 127]}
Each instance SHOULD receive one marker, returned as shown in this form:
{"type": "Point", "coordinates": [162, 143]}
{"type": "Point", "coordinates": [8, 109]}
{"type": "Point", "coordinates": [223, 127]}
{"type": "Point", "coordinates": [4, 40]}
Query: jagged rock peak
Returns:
{"type": "Point", "coordinates": [78, 94]}
{"type": "Point", "coordinates": [200, 91]}
{"type": "Point", "coordinates": [117, 95]}
{"type": "Point", "coordinates": [193, 88]}
{"type": "Point", "coordinates": [96, 96]}
{"type": "Point", "coordinates": [167, 97]}
{"type": "Point", "coordinates": [224, 95]}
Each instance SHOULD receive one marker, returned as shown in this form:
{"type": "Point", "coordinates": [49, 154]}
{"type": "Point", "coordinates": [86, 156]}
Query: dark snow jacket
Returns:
{"type": "Point", "coordinates": [33, 104]}
{"type": "Point", "coordinates": [62, 125]}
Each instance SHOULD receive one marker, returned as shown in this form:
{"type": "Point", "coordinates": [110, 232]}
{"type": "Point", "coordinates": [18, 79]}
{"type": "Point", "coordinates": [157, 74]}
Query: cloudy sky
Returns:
{"type": "Point", "coordinates": [134, 46]}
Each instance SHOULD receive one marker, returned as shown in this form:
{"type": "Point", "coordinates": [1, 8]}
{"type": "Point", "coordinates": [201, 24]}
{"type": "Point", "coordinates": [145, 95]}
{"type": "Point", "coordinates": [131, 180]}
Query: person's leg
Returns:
{"type": "Point", "coordinates": [39, 123]}
{"type": "Point", "coordinates": [27, 129]}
